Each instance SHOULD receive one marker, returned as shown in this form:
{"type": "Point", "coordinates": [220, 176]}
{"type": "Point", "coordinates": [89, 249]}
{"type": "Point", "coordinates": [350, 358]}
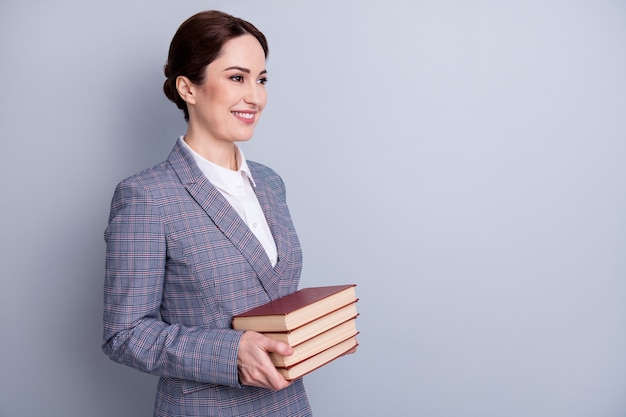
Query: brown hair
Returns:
{"type": "Point", "coordinates": [197, 43]}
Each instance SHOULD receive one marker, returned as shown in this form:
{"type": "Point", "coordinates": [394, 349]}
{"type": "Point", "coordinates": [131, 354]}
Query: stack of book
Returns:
{"type": "Point", "coordinates": [318, 322]}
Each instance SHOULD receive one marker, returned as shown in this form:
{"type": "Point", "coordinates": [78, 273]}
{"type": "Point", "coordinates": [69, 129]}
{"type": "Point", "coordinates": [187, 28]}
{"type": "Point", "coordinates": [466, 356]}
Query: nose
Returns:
{"type": "Point", "coordinates": [255, 95]}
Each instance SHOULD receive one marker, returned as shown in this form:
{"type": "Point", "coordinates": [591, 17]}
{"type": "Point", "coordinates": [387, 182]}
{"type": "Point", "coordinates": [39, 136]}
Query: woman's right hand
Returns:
{"type": "Point", "coordinates": [255, 366]}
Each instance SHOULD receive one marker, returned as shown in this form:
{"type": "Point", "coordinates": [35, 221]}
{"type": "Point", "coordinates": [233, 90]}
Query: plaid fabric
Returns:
{"type": "Point", "coordinates": [180, 263]}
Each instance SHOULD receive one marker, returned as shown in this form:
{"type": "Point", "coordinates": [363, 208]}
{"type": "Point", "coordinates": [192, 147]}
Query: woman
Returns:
{"type": "Point", "coordinates": [203, 236]}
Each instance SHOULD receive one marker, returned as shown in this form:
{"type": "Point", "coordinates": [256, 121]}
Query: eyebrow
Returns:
{"type": "Point", "coordinates": [242, 69]}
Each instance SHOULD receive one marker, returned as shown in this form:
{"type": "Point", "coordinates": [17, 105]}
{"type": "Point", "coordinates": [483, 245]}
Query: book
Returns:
{"type": "Point", "coordinates": [318, 322]}
{"type": "Point", "coordinates": [316, 344]}
{"type": "Point", "coordinates": [296, 309]}
{"type": "Point", "coordinates": [311, 329]}
{"type": "Point", "coordinates": [319, 360]}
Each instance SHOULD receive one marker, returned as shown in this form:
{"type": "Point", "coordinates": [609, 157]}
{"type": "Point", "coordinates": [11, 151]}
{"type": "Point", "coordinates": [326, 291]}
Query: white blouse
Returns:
{"type": "Point", "coordinates": [236, 187]}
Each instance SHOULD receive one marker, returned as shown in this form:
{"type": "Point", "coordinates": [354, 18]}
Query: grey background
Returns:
{"type": "Point", "coordinates": [462, 162]}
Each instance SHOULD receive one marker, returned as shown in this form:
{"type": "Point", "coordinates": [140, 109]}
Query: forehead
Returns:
{"type": "Point", "coordinates": [243, 50]}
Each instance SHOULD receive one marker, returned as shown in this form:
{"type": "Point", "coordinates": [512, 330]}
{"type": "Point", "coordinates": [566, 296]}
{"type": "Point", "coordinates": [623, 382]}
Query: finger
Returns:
{"type": "Point", "coordinates": [279, 347]}
{"type": "Point", "coordinates": [278, 382]}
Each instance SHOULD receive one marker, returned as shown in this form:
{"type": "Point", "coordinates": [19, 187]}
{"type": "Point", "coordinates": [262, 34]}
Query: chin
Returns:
{"type": "Point", "coordinates": [244, 136]}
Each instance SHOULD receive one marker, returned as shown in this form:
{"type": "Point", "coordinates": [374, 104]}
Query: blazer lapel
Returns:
{"type": "Point", "coordinates": [263, 194]}
{"type": "Point", "coordinates": [226, 218]}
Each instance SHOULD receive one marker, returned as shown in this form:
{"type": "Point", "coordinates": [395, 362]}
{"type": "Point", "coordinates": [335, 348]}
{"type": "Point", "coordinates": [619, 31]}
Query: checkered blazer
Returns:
{"type": "Point", "coordinates": [180, 262]}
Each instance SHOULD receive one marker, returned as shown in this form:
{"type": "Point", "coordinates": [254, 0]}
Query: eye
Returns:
{"type": "Point", "coordinates": [237, 78]}
{"type": "Point", "coordinates": [262, 81]}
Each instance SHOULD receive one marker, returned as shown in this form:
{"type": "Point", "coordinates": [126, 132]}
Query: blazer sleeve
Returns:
{"type": "Point", "coordinates": [134, 333]}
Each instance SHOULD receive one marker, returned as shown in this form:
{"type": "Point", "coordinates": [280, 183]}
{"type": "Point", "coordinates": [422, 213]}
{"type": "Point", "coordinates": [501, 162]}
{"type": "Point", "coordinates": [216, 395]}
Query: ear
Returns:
{"type": "Point", "coordinates": [186, 89]}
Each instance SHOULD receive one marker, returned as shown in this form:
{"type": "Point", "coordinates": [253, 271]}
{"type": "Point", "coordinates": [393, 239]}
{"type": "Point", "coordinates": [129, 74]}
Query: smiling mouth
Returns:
{"type": "Point", "coordinates": [245, 116]}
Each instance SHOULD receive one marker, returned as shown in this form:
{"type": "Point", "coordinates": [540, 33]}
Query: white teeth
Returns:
{"type": "Point", "coordinates": [244, 115]}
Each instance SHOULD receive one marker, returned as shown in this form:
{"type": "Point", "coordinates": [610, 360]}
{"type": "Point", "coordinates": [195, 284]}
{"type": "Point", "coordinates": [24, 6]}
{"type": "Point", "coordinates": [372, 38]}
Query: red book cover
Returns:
{"type": "Point", "coordinates": [302, 306]}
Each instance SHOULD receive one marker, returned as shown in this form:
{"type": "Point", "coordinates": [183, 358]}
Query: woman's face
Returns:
{"type": "Point", "coordinates": [229, 103]}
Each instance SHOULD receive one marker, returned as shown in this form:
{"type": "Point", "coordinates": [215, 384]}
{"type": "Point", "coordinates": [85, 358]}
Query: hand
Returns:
{"type": "Point", "coordinates": [255, 366]}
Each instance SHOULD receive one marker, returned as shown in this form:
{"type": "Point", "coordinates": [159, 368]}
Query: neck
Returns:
{"type": "Point", "coordinates": [223, 154]}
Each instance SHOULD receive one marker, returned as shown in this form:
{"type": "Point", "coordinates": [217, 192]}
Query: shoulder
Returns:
{"type": "Point", "coordinates": [266, 175]}
{"type": "Point", "coordinates": [155, 184]}
{"type": "Point", "coordinates": [151, 177]}
{"type": "Point", "coordinates": [261, 170]}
